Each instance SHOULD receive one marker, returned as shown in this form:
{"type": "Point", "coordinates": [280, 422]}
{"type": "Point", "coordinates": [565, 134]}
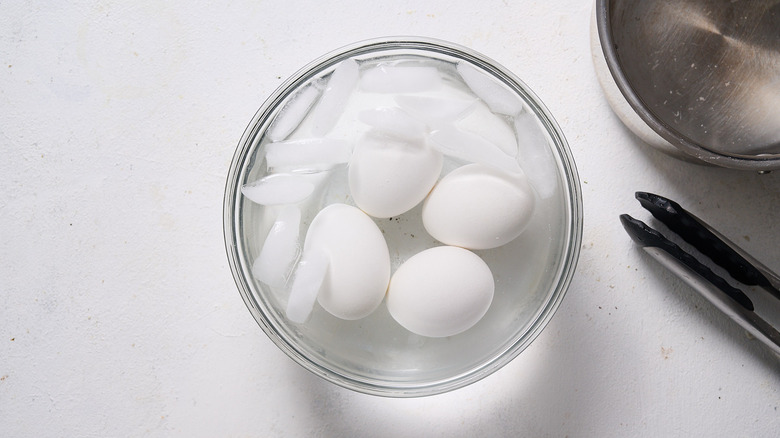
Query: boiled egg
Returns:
{"type": "Point", "coordinates": [441, 291]}
{"type": "Point", "coordinates": [479, 207]}
{"type": "Point", "coordinates": [389, 176]}
{"type": "Point", "coordinates": [358, 261]}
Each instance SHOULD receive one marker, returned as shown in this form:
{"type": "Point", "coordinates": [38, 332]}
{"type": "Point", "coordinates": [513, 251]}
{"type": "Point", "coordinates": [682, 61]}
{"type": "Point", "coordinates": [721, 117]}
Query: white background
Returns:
{"type": "Point", "coordinates": [119, 315]}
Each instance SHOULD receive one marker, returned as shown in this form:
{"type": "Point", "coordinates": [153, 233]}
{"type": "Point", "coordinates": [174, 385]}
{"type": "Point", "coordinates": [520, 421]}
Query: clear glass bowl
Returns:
{"type": "Point", "coordinates": [375, 355]}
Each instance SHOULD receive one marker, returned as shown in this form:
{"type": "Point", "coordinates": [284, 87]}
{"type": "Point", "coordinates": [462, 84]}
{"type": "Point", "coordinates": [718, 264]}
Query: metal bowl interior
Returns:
{"type": "Point", "coordinates": [703, 75]}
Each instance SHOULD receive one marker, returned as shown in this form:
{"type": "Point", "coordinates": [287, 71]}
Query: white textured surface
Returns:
{"type": "Point", "coordinates": [118, 313]}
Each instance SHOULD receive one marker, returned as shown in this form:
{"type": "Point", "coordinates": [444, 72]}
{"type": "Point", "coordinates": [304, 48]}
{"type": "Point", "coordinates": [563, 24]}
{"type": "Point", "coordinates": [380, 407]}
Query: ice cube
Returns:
{"type": "Point", "coordinates": [399, 78]}
{"type": "Point", "coordinates": [278, 189]}
{"type": "Point", "coordinates": [272, 266]}
{"type": "Point", "coordinates": [293, 112]}
{"type": "Point", "coordinates": [309, 275]}
{"type": "Point", "coordinates": [535, 156]}
{"type": "Point", "coordinates": [498, 98]}
{"type": "Point", "coordinates": [434, 111]}
{"type": "Point", "coordinates": [471, 147]}
{"type": "Point", "coordinates": [310, 154]}
{"type": "Point", "coordinates": [394, 121]}
{"type": "Point", "coordinates": [493, 127]}
{"type": "Point", "coordinates": [331, 105]}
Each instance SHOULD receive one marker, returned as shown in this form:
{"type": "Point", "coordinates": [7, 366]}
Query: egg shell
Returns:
{"type": "Point", "coordinates": [441, 291]}
{"type": "Point", "coordinates": [359, 261]}
{"type": "Point", "coordinates": [389, 176]}
{"type": "Point", "coordinates": [478, 207]}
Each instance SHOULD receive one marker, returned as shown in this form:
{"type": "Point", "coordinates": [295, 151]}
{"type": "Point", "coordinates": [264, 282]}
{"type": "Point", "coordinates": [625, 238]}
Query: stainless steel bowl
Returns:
{"type": "Point", "coordinates": [702, 75]}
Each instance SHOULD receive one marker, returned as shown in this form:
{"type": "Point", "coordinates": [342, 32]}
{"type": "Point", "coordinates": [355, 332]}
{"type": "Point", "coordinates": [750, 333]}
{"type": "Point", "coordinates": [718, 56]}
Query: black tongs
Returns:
{"type": "Point", "coordinates": [724, 253]}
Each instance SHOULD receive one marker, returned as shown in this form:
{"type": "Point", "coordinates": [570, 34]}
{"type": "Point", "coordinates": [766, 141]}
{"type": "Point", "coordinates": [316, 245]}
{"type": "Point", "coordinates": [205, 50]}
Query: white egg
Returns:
{"type": "Point", "coordinates": [389, 176]}
{"type": "Point", "coordinates": [441, 291]}
{"type": "Point", "coordinates": [478, 207]}
{"type": "Point", "coordinates": [358, 260]}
